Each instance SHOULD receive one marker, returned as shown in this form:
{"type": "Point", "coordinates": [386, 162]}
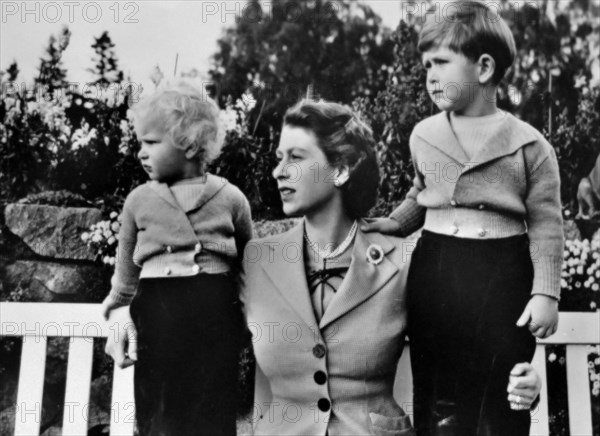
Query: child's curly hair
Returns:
{"type": "Point", "coordinates": [184, 112]}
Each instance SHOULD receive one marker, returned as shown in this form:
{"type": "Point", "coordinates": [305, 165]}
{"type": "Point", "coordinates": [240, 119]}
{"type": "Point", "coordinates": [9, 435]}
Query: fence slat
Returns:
{"type": "Point", "coordinates": [578, 388]}
{"type": "Point", "coordinates": [539, 416]}
{"type": "Point", "coordinates": [122, 418]}
{"type": "Point", "coordinates": [77, 393]}
{"type": "Point", "coordinates": [28, 414]}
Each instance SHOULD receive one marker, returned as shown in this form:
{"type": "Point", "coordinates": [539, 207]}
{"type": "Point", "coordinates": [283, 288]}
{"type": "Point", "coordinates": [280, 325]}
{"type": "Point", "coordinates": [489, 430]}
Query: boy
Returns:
{"type": "Point", "coordinates": [487, 193]}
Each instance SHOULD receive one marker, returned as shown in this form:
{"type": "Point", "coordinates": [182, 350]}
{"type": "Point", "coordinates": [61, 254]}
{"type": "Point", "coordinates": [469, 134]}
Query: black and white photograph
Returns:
{"type": "Point", "coordinates": [300, 217]}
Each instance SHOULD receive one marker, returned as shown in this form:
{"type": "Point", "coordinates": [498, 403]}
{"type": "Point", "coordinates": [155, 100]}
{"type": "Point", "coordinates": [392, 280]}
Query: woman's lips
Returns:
{"type": "Point", "coordinates": [286, 192]}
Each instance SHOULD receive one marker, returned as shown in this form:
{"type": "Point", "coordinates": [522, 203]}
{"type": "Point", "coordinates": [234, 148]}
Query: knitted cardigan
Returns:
{"type": "Point", "coordinates": [160, 239]}
{"type": "Point", "coordinates": [514, 174]}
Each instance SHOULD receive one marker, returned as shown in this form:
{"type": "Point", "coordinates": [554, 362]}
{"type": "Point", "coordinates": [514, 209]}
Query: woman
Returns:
{"type": "Point", "coordinates": [324, 301]}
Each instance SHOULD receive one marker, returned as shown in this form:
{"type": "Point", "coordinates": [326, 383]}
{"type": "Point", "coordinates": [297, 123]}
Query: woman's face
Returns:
{"type": "Point", "coordinates": [304, 176]}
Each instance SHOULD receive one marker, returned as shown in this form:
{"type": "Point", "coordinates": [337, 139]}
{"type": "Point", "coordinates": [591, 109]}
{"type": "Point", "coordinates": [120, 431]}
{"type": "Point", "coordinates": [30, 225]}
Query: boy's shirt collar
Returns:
{"type": "Point", "coordinates": [507, 137]}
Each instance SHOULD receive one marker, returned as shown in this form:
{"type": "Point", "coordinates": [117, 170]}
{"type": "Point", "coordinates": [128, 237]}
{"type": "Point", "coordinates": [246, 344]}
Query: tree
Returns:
{"type": "Point", "coordinates": [51, 73]}
{"type": "Point", "coordinates": [106, 67]}
{"type": "Point", "coordinates": [12, 71]}
{"type": "Point", "coordinates": [339, 48]}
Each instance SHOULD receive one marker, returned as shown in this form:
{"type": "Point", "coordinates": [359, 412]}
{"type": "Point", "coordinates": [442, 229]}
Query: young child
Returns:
{"type": "Point", "coordinates": [487, 194]}
{"type": "Point", "coordinates": [181, 241]}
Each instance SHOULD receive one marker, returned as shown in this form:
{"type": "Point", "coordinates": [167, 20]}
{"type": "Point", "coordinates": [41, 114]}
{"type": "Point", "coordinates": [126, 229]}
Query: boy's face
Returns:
{"type": "Point", "coordinates": [452, 80]}
{"type": "Point", "coordinates": [159, 157]}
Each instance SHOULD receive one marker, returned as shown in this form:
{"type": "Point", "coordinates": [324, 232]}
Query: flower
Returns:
{"type": "Point", "coordinates": [552, 357]}
{"type": "Point", "coordinates": [374, 254]}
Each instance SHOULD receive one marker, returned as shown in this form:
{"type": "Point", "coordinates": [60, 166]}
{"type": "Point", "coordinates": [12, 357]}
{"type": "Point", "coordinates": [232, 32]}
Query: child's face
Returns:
{"type": "Point", "coordinates": [452, 80]}
{"type": "Point", "coordinates": [159, 157]}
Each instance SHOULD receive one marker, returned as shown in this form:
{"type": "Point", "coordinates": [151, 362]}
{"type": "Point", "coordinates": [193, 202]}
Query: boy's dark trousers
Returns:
{"type": "Point", "coordinates": [188, 345]}
{"type": "Point", "coordinates": [465, 297]}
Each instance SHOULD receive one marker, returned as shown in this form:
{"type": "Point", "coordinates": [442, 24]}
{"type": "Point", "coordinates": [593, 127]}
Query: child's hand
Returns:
{"type": "Point", "coordinates": [122, 347]}
{"type": "Point", "coordinates": [541, 313]}
{"type": "Point", "coordinates": [387, 226]}
{"type": "Point", "coordinates": [108, 305]}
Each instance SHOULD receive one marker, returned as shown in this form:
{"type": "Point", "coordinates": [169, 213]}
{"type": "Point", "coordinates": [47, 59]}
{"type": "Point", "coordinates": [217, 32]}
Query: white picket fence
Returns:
{"type": "Point", "coordinates": [35, 322]}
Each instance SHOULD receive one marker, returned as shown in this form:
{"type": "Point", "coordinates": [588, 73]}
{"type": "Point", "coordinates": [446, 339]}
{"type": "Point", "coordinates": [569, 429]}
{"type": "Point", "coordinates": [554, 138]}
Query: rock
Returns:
{"type": "Point", "coordinates": [48, 281]}
{"type": "Point", "coordinates": [52, 231]}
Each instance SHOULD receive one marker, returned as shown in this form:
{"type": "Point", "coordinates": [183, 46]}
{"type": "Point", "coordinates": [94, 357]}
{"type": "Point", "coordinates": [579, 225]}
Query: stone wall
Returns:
{"type": "Point", "coordinates": [43, 257]}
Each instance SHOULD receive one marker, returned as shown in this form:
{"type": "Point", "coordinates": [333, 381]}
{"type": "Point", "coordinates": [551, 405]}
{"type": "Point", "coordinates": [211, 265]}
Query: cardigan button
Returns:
{"type": "Point", "coordinates": [196, 269]}
{"type": "Point", "coordinates": [481, 206]}
{"type": "Point", "coordinates": [167, 271]}
{"type": "Point", "coordinates": [198, 247]}
{"type": "Point", "coordinates": [168, 249]}
{"type": "Point", "coordinates": [453, 203]}
{"type": "Point", "coordinates": [454, 229]}
{"type": "Point", "coordinates": [320, 377]}
{"type": "Point", "coordinates": [482, 232]}
{"type": "Point", "coordinates": [319, 351]}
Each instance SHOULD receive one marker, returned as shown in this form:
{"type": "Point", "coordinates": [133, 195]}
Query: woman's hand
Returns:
{"type": "Point", "coordinates": [524, 385]}
{"type": "Point", "coordinates": [122, 344]}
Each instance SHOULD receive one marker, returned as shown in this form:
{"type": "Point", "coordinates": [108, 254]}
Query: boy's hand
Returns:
{"type": "Point", "coordinates": [122, 345]}
{"type": "Point", "coordinates": [387, 226]}
{"type": "Point", "coordinates": [541, 313]}
{"type": "Point", "coordinates": [108, 305]}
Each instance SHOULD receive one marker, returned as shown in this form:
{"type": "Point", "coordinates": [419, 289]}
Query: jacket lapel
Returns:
{"type": "Point", "coordinates": [211, 188]}
{"type": "Point", "coordinates": [363, 278]}
{"type": "Point", "coordinates": [163, 191]}
{"type": "Point", "coordinates": [507, 138]}
{"type": "Point", "coordinates": [288, 274]}
{"type": "Point", "coordinates": [438, 132]}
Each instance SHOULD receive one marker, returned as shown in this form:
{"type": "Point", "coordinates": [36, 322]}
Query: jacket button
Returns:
{"type": "Point", "coordinates": [319, 351]}
{"type": "Point", "coordinates": [482, 232]}
{"type": "Point", "coordinates": [198, 247]}
{"type": "Point", "coordinates": [320, 378]}
{"type": "Point", "coordinates": [169, 249]}
{"type": "Point", "coordinates": [196, 269]}
{"type": "Point", "coordinates": [324, 404]}
{"type": "Point", "coordinates": [454, 229]}
{"type": "Point", "coordinates": [167, 271]}
{"type": "Point", "coordinates": [453, 203]}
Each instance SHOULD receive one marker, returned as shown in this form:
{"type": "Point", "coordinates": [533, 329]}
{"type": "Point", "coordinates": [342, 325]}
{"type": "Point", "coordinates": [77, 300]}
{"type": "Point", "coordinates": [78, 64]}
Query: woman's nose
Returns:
{"type": "Point", "coordinates": [279, 171]}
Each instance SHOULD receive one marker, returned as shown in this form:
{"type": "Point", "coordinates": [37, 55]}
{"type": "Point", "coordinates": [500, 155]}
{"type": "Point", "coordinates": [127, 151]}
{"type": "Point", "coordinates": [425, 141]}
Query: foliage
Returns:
{"type": "Point", "coordinates": [102, 238]}
{"type": "Point", "coordinates": [106, 67]}
{"type": "Point", "coordinates": [577, 141]}
{"type": "Point", "coordinates": [51, 73]}
{"type": "Point", "coordinates": [393, 114]}
{"type": "Point", "coordinates": [57, 198]}
{"type": "Point", "coordinates": [338, 48]}
{"type": "Point", "coordinates": [581, 273]}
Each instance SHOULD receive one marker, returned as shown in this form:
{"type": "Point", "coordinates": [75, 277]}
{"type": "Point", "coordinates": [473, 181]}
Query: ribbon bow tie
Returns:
{"type": "Point", "coordinates": [320, 276]}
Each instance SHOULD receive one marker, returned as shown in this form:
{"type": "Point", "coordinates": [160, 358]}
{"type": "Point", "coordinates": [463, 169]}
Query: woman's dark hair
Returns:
{"type": "Point", "coordinates": [345, 140]}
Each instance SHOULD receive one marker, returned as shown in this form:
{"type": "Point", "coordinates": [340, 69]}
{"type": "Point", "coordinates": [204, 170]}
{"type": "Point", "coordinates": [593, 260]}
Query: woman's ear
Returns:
{"type": "Point", "coordinates": [487, 67]}
{"type": "Point", "coordinates": [342, 175]}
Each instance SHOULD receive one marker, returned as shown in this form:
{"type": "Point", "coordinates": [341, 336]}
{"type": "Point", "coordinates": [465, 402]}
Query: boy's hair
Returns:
{"type": "Point", "coordinates": [472, 29]}
{"type": "Point", "coordinates": [345, 140]}
{"type": "Point", "coordinates": [185, 113]}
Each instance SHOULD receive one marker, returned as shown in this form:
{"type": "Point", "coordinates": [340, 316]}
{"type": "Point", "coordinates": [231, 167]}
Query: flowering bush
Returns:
{"type": "Point", "coordinates": [102, 238]}
{"type": "Point", "coordinates": [581, 272]}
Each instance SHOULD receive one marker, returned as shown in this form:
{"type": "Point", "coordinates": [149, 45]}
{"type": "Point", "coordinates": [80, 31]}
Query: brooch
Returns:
{"type": "Point", "coordinates": [374, 254]}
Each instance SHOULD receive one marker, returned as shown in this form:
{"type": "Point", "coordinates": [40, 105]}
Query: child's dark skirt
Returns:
{"type": "Point", "coordinates": [188, 344]}
{"type": "Point", "coordinates": [465, 297]}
